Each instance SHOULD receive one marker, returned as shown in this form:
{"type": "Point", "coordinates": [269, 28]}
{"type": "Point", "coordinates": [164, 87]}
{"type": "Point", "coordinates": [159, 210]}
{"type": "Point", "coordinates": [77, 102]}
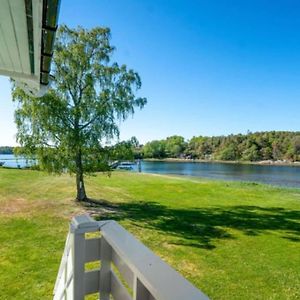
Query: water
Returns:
{"type": "Point", "coordinates": [276, 175]}
{"type": "Point", "coordinates": [11, 161]}
{"type": "Point", "coordinates": [288, 176]}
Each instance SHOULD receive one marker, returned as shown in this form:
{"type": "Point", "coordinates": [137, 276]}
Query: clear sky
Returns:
{"type": "Point", "coordinates": [207, 67]}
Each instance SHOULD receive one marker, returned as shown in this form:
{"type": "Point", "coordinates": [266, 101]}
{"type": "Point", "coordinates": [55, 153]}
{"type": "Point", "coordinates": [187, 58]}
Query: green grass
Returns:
{"type": "Point", "coordinates": [232, 240]}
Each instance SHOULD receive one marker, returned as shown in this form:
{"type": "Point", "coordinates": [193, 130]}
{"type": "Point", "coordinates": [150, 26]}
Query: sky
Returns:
{"type": "Point", "coordinates": [207, 67]}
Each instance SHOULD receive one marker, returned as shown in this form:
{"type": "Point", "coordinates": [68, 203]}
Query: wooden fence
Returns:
{"type": "Point", "coordinates": [126, 269]}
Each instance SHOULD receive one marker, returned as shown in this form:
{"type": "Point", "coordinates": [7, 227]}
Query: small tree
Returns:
{"type": "Point", "coordinates": [89, 95]}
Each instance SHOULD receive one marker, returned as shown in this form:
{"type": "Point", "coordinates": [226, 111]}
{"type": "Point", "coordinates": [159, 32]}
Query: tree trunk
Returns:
{"type": "Point", "coordinates": [81, 194]}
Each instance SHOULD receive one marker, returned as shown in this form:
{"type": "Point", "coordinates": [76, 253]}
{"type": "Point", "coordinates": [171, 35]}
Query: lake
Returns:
{"type": "Point", "coordinates": [288, 176]}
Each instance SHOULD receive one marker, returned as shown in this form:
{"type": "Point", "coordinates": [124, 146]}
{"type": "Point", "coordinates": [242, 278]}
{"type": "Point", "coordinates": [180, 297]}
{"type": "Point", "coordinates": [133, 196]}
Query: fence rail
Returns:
{"type": "Point", "coordinates": [127, 269]}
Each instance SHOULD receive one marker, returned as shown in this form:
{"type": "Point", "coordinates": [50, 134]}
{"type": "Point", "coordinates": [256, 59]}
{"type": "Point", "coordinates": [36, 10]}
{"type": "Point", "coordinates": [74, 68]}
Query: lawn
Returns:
{"type": "Point", "coordinates": [232, 240]}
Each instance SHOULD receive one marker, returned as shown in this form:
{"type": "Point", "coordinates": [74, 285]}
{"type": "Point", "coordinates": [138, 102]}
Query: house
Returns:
{"type": "Point", "coordinates": [27, 33]}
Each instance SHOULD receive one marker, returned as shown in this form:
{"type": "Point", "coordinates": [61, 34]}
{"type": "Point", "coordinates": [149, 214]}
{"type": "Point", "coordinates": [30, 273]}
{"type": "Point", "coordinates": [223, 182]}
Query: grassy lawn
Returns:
{"type": "Point", "coordinates": [233, 240]}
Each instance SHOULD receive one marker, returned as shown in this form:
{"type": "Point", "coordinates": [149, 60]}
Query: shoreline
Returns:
{"type": "Point", "coordinates": [237, 162]}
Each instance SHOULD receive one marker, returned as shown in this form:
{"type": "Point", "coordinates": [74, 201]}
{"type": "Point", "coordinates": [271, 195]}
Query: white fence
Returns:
{"type": "Point", "coordinates": [127, 269]}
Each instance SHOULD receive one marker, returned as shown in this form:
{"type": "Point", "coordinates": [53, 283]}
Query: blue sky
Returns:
{"type": "Point", "coordinates": [207, 67]}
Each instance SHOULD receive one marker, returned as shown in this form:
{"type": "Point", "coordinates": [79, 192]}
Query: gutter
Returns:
{"type": "Point", "coordinates": [49, 27]}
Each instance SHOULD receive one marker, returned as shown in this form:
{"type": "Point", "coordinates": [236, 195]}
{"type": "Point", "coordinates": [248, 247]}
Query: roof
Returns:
{"type": "Point", "coordinates": [27, 33]}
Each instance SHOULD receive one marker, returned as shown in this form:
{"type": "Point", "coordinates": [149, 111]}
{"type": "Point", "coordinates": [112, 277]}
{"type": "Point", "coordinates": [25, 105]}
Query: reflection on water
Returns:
{"type": "Point", "coordinates": [276, 175]}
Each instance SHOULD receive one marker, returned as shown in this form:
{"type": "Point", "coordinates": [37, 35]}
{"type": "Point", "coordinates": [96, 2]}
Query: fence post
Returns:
{"type": "Point", "coordinates": [79, 226]}
{"type": "Point", "coordinates": [105, 280]}
{"type": "Point", "coordinates": [148, 276]}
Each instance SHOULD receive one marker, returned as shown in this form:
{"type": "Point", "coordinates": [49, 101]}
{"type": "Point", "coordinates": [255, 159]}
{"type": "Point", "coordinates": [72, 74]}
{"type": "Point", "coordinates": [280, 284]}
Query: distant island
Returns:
{"type": "Point", "coordinates": [6, 150]}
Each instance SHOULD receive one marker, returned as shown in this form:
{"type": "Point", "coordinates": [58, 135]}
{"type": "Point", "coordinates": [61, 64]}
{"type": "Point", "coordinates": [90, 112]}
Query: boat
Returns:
{"type": "Point", "coordinates": [125, 165]}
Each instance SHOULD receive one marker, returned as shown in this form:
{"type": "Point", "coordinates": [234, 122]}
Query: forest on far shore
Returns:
{"type": "Point", "coordinates": [258, 146]}
{"type": "Point", "coordinates": [6, 150]}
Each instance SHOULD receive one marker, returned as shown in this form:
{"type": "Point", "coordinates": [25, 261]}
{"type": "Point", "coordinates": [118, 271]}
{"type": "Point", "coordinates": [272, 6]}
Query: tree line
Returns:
{"type": "Point", "coordinates": [258, 146]}
{"type": "Point", "coordinates": [6, 150]}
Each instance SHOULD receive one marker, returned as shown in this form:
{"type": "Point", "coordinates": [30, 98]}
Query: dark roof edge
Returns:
{"type": "Point", "coordinates": [49, 27]}
{"type": "Point", "coordinates": [29, 20]}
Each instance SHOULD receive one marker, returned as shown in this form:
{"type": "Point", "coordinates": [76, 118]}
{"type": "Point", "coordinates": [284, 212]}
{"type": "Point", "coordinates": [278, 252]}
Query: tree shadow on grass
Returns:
{"type": "Point", "coordinates": [200, 227]}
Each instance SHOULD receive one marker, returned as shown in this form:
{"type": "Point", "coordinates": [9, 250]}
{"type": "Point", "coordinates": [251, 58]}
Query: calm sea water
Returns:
{"type": "Point", "coordinates": [12, 161]}
{"type": "Point", "coordinates": [276, 175]}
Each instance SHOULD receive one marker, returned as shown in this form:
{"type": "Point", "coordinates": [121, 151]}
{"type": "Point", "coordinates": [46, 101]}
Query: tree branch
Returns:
{"type": "Point", "coordinates": [88, 123]}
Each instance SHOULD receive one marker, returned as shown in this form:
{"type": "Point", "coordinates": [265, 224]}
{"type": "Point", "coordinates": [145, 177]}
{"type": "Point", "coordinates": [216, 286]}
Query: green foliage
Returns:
{"type": "Point", "coordinates": [174, 146]}
{"type": "Point", "coordinates": [155, 149]}
{"type": "Point", "coordinates": [89, 96]}
{"type": "Point", "coordinates": [134, 142]}
{"type": "Point", "coordinates": [199, 147]}
{"type": "Point", "coordinates": [137, 148]}
{"type": "Point", "coordinates": [295, 148]}
{"type": "Point", "coordinates": [251, 153]}
{"type": "Point", "coordinates": [273, 145]}
{"type": "Point", "coordinates": [227, 153]}
{"type": "Point", "coordinates": [122, 151]}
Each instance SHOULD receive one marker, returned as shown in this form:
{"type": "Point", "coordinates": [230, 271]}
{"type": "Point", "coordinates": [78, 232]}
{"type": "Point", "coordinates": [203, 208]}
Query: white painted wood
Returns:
{"type": "Point", "coordinates": [5, 53]}
{"type": "Point", "coordinates": [19, 75]}
{"type": "Point", "coordinates": [6, 61]}
{"type": "Point", "coordinates": [19, 20]}
{"type": "Point", "coordinates": [91, 280]}
{"type": "Point", "coordinates": [60, 287]}
{"type": "Point", "coordinates": [84, 224]}
{"type": "Point", "coordinates": [118, 291]}
{"type": "Point", "coordinates": [2, 61]}
{"type": "Point", "coordinates": [78, 265]}
{"type": "Point", "coordinates": [69, 294]}
{"type": "Point", "coordinates": [105, 270]}
{"type": "Point", "coordinates": [62, 276]}
{"type": "Point", "coordinates": [69, 267]}
{"type": "Point", "coordinates": [149, 277]}
{"type": "Point", "coordinates": [157, 276]}
{"type": "Point", "coordinates": [10, 39]}
{"type": "Point", "coordinates": [74, 258]}
{"type": "Point", "coordinates": [92, 251]}
{"type": "Point", "coordinates": [124, 270]}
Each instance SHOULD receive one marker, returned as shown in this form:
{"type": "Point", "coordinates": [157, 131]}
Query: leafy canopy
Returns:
{"type": "Point", "coordinates": [88, 97]}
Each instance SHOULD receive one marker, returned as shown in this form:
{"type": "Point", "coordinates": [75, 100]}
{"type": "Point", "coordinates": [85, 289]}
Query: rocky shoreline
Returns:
{"type": "Point", "coordinates": [262, 162]}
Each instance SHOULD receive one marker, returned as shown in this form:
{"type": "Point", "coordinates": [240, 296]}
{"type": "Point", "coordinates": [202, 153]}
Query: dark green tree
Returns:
{"type": "Point", "coordinates": [134, 142]}
{"type": "Point", "coordinates": [121, 151]}
{"type": "Point", "coordinates": [64, 129]}
{"type": "Point", "coordinates": [155, 149]}
{"type": "Point", "coordinates": [175, 146]}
